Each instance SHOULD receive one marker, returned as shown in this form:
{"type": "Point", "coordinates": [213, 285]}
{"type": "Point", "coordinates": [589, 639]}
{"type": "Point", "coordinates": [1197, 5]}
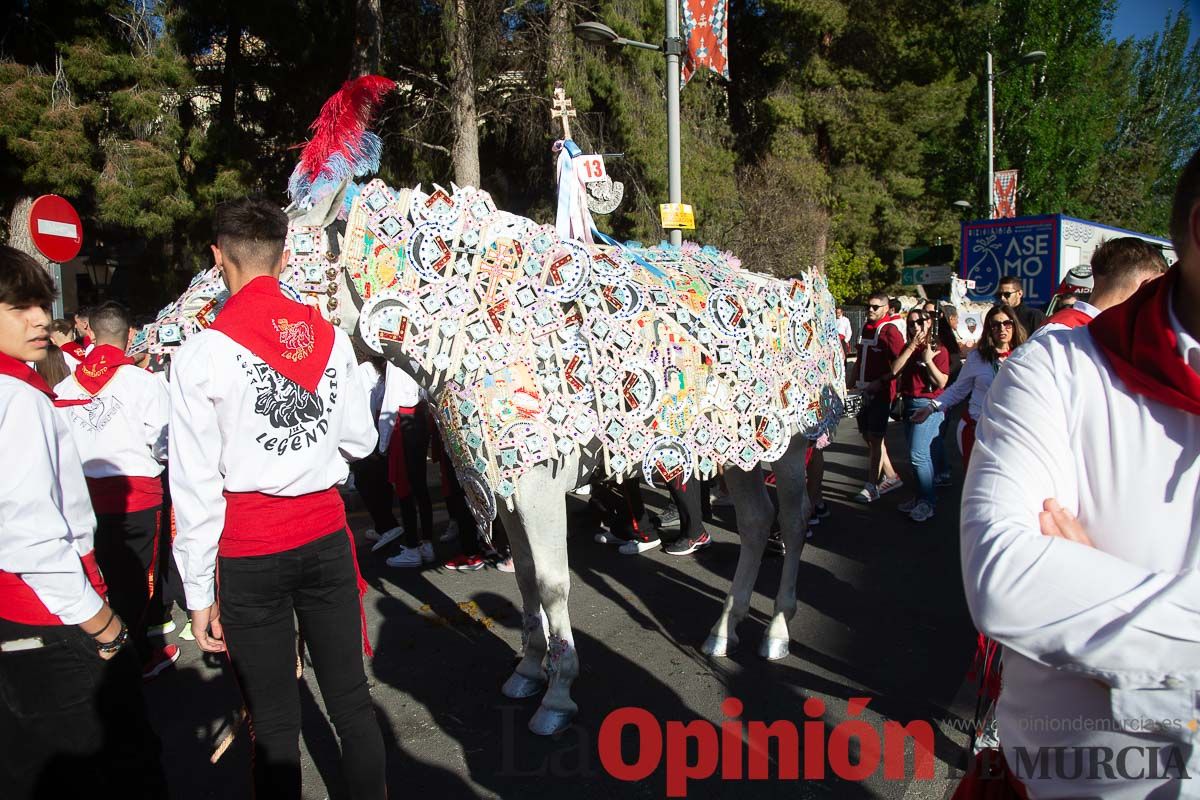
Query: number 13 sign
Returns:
{"type": "Point", "coordinates": [591, 168]}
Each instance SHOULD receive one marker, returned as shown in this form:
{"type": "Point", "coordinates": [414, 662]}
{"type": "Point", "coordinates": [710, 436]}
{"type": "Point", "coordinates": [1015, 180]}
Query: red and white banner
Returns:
{"type": "Point", "coordinates": [706, 34]}
{"type": "Point", "coordinates": [1004, 194]}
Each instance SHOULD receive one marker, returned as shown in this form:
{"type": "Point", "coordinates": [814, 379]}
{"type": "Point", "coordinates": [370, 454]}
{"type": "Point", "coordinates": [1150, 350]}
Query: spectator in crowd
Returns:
{"type": "Point", "coordinates": [83, 330]}
{"type": "Point", "coordinates": [62, 336]}
{"type": "Point", "coordinates": [404, 427]}
{"type": "Point", "coordinates": [879, 344]}
{"type": "Point", "coordinates": [1067, 301]}
{"type": "Point", "coordinates": [922, 371]}
{"type": "Point", "coordinates": [371, 473]}
{"type": "Point", "coordinates": [54, 367]}
{"type": "Point", "coordinates": [895, 307]}
{"type": "Point", "coordinates": [1003, 333]}
{"type": "Point", "coordinates": [844, 331]}
{"type": "Point", "coordinates": [1011, 294]}
{"type": "Point", "coordinates": [1079, 537]}
{"type": "Point", "coordinates": [72, 719]}
{"type": "Point", "coordinates": [1119, 268]}
{"type": "Point", "coordinates": [966, 339]}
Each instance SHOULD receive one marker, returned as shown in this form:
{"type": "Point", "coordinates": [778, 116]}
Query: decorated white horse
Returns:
{"type": "Point", "coordinates": [550, 362]}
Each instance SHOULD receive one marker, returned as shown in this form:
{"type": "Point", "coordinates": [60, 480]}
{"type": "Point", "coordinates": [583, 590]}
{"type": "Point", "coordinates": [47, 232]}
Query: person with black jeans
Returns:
{"type": "Point", "coordinates": [371, 473]}
{"type": "Point", "coordinates": [265, 411]}
{"type": "Point", "coordinates": [72, 718]}
{"type": "Point", "coordinates": [121, 432]}
{"type": "Point", "coordinates": [407, 447]}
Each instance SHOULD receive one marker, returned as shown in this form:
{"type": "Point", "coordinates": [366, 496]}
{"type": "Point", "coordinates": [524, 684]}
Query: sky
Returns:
{"type": "Point", "coordinates": [1140, 18]}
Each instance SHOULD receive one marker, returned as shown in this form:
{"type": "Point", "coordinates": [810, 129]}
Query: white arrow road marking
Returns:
{"type": "Point", "coordinates": [52, 228]}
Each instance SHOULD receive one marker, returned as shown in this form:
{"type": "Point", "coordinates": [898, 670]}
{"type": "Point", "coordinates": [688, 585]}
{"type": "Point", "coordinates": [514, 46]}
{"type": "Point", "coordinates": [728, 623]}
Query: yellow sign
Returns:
{"type": "Point", "coordinates": [677, 215]}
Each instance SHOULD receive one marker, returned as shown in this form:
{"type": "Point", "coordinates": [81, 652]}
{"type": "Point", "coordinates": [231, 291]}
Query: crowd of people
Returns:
{"type": "Point", "coordinates": [214, 485]}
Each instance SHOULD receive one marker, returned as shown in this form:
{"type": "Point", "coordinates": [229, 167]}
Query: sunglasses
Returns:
{"type": "Point", "coordinates": [997, 324]}
{"type": "Point", "coordinates": [1006, 295]}
{"type": "Point", "coordinates": [874, 307]}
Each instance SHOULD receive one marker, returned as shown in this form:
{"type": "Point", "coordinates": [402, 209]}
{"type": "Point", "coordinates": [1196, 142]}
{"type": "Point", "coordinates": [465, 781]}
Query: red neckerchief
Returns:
{"type": "Point", "coordinates": [99, 367]}
{"type": "Point", "coordinates": [1070, 317]}
{"type": "Point", "coordinates": [21, 371]}
{"type": "Point", "coordinates": [870, 329]}
{"type": "Point", "coordinates": [74, 349]}
{"type": "Point", "coordinates": [1143, 349]}
{"type": "Point", "coordinates": [293, 339]}
{"type": "Point", "coordinates": [87, 341]}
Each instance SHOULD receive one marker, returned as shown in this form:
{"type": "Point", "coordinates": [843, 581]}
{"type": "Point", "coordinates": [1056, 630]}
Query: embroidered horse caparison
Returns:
{"type": "Point", "coordinates": [551, 362]}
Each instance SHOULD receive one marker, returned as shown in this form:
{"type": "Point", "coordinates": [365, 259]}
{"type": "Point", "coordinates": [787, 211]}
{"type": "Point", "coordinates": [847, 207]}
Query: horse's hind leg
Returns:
{"type": "Point", "coordinates": [754, 514]}
{"type": "Point", "coordinates": [794, 511]}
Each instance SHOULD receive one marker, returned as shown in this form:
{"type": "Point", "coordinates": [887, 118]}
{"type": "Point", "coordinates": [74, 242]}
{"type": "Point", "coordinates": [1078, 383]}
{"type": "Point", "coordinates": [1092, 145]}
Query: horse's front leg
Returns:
{"type": "Point", "coordinates": [794, 512]}
{"type": "Point", "coordinates": [529, 677]}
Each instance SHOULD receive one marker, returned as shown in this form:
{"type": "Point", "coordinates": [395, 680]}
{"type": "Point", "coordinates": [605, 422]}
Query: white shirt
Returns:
{"type": "Point", "coordinates": [1076, 620]}
{"type": "Point", "coordinates": [71, 361]}
{"type": "Point", "coordinates": [400, 391]}
{"type": "Point", "coordinates": [1046, 327]}
{"type": "Point", "coordinates": [123, 431]}
{"type": "Point", "coordinates": [239, 426]}
{"type": "Point", "coordinates": [46, 519]}
{"type": "Point", "coordinates": [973, 380]}
{"type": "Point", "coordinates": [844, 329]}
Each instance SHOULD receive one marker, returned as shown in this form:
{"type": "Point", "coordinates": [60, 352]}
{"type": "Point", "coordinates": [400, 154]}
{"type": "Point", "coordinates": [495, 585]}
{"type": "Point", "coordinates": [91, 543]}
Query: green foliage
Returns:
{"type": "Point", "coordinates": [853, 276]}
{"type": "Point", "coordinates": [846, 132]}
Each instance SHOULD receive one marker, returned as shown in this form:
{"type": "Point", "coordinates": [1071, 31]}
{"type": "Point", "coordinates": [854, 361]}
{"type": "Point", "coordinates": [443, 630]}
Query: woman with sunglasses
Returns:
{"type": "Point", "coordinates": [922, 370]}
{"type": "Point", "coordinates": [1002, 333]}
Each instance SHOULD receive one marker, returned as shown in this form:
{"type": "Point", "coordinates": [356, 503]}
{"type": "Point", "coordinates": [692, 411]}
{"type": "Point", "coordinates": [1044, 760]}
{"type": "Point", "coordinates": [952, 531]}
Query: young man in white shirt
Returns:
{"type": "Point", "coordinates": [72, 720]}
{"type": "Point", "coordinates": [1119, 267]}
{"type": "Point", "coordinates": [121, 434]}
{"type": "Point", "coordinates": [266, 408]}
{"type": "Point", "coordinates": [1080, 543]}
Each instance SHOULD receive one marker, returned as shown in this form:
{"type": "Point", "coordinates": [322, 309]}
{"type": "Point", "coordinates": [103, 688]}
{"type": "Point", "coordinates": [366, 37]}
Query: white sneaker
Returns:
{"type": "Point", "coordinates": [371, 535]}
{"type": "Point", "coordinates": [387, 537]}
{"type": "Point", "coordinates": [635, 546]}
{"type": "Point", "coordinates": [921, 512]}
{"type": "Point", "coordinates": [889, 485]}
{"type": "Point", "coordinates": [407, 557]}
{"type": "Point", "coordinates": [425, 548]}
{"type": "Point", "coordinates": [867, 494]}
{"type": "Point", "coordinates": [907, 506]}
{"type": "Point", "coordinates": [451, 531]}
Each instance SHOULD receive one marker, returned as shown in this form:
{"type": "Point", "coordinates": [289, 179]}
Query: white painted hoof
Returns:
{"type": "Point", "coordinates": [718, 646]}
{"type": "Point", "coordinates": [518, 686]}
{"type": "Point", "coordinates": [549, 721]}
{"type": "Point", "coordinates": [774, 649]}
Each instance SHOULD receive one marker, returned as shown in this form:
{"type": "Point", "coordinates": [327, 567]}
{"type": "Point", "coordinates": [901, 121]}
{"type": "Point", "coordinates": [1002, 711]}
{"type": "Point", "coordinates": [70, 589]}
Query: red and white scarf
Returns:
{"type": "Point", "coordinates": [1143, 349]}
{"type": "Point", "coordinates": [99, 366]}
{"type": "Point", "coordinates": [21, 371]}
{"type": "Point", "coordinates": [293, 339]}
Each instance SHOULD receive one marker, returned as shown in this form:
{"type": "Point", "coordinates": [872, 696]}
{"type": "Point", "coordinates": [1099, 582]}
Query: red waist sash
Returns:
{"type": "Point", "coordinates": [20, 603]}
{"type": "Point", "coordinates": [124, 494]}
{"type": "Point", "coordinates": [258, 524]}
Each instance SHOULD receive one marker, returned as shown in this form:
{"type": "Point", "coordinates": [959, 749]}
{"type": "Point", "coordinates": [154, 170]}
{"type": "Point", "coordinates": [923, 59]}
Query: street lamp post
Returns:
{"type": "Point", "coordinates": [672, 49]}
{"type": "Point", "coordinates": [1029, 58]}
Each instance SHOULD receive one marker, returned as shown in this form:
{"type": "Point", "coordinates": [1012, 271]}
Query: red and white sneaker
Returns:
{"type": "Point", "coordinates": [465, 563]}
{"type": "Point", "coordinates": [160, 659]}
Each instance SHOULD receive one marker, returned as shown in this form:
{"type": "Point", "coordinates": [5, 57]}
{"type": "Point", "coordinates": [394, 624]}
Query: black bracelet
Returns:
{"type": "Point", "coordinates": [106, 624]}
{"type": "Point", "coordinates": [117, 643]}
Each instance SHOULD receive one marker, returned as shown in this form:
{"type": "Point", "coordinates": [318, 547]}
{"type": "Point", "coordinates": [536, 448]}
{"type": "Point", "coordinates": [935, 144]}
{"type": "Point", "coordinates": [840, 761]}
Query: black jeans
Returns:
{"type": "Point", "coordinates": [414, 430]}
{"type": "Point", "coordinates": [126, 551]}
{"type": "Point", "coordinates": [371, 482]}
{"type": "Point", "coordinates": [690, 500]}
{"type": "Point", "coordinates": [261, 598]}
{"type": "Point", "coordinates": [71, 724]}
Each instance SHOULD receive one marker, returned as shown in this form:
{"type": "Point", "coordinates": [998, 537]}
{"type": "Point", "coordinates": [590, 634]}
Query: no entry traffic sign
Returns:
{"type": "Point", "coordinates": [55, 228]}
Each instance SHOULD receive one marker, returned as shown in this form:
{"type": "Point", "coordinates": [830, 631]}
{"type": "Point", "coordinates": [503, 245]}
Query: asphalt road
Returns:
{"type": "Point", "coordinates": [881, 616]}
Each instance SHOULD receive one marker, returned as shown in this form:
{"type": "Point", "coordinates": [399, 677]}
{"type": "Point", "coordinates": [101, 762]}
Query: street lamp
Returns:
{"type": "Point", "coordinates": [101, 270]}
{"type": "Point", "coordinates": [1032, 57]}
{"type": "Point", "coordinates": [672, 49]}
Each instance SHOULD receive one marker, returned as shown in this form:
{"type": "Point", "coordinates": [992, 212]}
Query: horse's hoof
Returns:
{"type": "Point", "coordinates": [549, 721]}
{"type": "Point", "coordinates": [773, 649]}
{"type": "Point", "coordinates": [718, 646]}
{"type": "Point", "coordinates": [518, 686]}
